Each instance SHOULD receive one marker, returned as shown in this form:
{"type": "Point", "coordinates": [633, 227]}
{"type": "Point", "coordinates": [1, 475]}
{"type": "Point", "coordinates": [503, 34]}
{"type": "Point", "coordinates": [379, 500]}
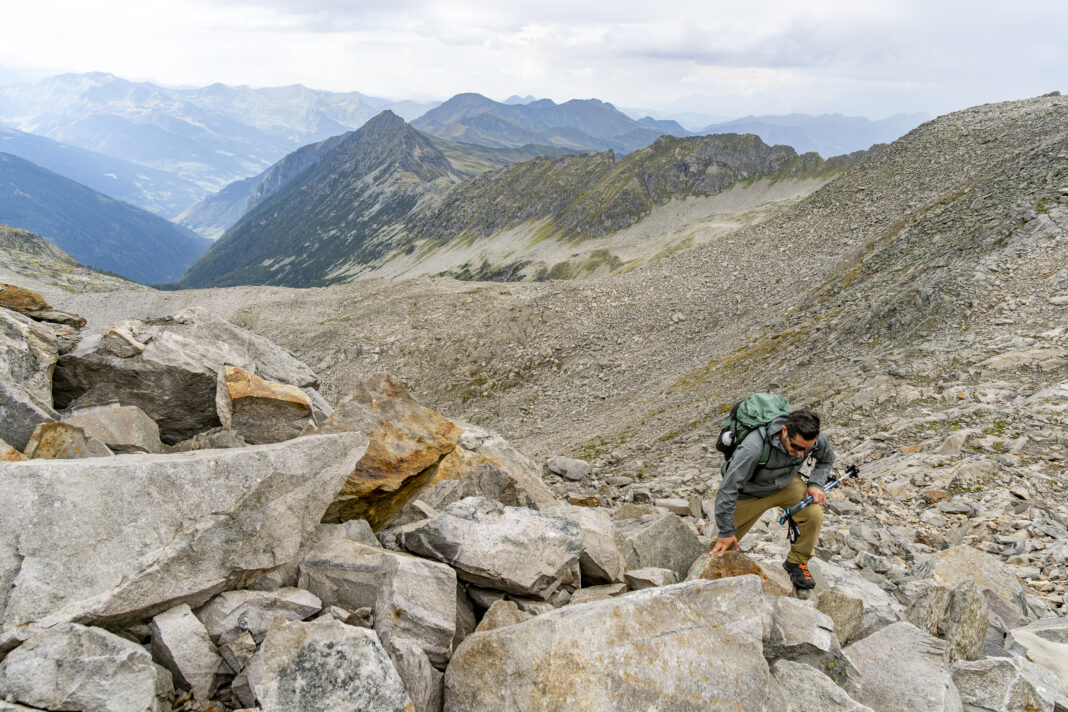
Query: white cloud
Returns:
{"type": "Point", "coordinates": [734, 58]}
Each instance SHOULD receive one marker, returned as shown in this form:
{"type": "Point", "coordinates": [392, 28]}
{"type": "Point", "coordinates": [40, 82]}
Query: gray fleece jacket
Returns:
{"type": "Point", "coordinates": [746, 479]}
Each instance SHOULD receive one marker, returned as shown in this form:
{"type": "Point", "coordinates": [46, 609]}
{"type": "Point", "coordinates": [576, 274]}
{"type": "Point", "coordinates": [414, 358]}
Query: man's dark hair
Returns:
{"type": "Point", "coordinates": [804, 423]}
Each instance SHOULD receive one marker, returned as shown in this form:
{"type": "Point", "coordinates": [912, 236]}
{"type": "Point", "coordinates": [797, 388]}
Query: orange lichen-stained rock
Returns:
{"type": "Point", "coordinates": [735, 563]}
{"type": "Point", "coordinates": [407, 443]}
{"type": "Point", "coordinates": [10, 454]}
{"type": "Point", "coordinates": [63, 441]}
{"type": "Point", "coordinates": [259, 410]}
{"type": "Point", "coordinates": [21, 299]}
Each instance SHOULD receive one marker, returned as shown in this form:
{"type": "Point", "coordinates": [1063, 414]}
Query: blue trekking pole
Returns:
{"type": "Point", "coordinates": [792, 530]}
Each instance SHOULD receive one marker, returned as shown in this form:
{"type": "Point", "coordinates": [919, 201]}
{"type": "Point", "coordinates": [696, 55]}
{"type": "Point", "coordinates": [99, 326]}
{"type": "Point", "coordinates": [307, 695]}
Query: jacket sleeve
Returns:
{"type": "Point", "coordinates": [825, 457]}
{"type": "Point", "coordinates": [741, 468]}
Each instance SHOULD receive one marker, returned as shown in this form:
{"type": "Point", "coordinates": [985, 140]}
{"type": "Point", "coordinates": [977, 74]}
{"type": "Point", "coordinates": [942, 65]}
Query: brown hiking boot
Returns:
{"type": "Point", "coordinates": [799, 575]}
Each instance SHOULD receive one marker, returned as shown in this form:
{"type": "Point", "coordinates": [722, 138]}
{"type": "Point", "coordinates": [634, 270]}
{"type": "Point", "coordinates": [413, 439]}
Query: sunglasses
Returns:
{"type": "Point", "coordinates": [794, 446]}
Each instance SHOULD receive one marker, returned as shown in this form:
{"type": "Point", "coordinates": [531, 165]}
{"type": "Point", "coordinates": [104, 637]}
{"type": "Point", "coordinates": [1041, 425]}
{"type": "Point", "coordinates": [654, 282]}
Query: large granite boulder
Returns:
{"type": "Point", "coordinates": [602, 559]}
{"type": "Point", "coordinates": [903, 669]}
{"type": "Point", "coordinates": [74, 667]}
{"type": "Point", "coordinates": [812, 691]}
{"type": "Point", "coordinates": [124, 429]}
{"type": "Point", "coordinates": [117, 540]}
{"type": "Point", "coordinates": [510, 549]}
{"type": "Point", "coordinates": [324, 666]}
{"type": "Point", "coordinates": [661, 541]}
{"type": "Point", "coordinates": [1008, 685]}
{"type": "Point", "coordinates": [28, 354]}
{"type": "Point", "coordinates": [261, 411]}
{"type": "Point", "coordinates": [689, 646]}
{"type": "Point", "coordinates": [413, 600]}
{"type": "Point", "coordinates": [173, 379]}
{"type": "Point", "coordinates": [407, 441]}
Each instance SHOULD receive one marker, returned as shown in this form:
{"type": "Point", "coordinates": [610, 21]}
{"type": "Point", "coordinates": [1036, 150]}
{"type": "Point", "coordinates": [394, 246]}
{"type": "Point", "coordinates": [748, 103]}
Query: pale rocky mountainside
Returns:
{"type": "Point", "coordinates": [919, 297]}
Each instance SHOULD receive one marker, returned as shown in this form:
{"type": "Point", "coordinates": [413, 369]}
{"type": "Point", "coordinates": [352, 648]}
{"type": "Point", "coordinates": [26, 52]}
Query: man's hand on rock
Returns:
{"type": "Point", "coordinates": [818, 495]}
{"type": "Point", "coordinates": [723, 545]}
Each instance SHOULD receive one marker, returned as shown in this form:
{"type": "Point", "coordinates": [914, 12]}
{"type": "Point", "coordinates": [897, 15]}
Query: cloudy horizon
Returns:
{"type": "Point", "coordinates": [676, 57]}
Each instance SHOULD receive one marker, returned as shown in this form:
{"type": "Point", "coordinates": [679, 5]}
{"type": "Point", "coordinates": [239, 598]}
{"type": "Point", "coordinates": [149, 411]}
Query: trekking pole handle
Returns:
{"type": "Point", "coordinates": [850, 471]}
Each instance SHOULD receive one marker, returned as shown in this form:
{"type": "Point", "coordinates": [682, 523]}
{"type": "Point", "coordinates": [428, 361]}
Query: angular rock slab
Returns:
{"type": "Point", "coordinates": [661, 541]}
{"type": "Point", "coordinates": [963, 563]}
{"type": "Point", "coordinates": [74, 667]}
{"type": "Point", "coordinates": [230, 613]}
{"type": "Point", "coordinates": [413, 600]}
{"type": "Point", "coordinates": [124, 429]}
{"type": "Point", "coordinates": [63, 441]}
{"type": "Point", "coordinates": [182, 645]}
{"type": "Point", "coordinates": [325, 666]}
{"type": "Point", "coordinates": [903, 669]}
{"type": "Point", "coordinates": [811, 690]}
{"type": "Point", "coordinates": [407, 441]}
{"type": "Point", "coordinates": [261, 411]}
{"type": "Point", "coordinates": [510, 549]}
{"type": "Point", "coordinates": [521, 471]}
{"type": "Point", "coordinates": [121, 539]}
{"type": "Point", "coordinates": [424, 683]}
{"type": "Point", "coordinates": [1044, 642]}
{"type": "Point", "coordinates": [795, 631]}
{"type": "Point", "coordinates": [10, 454]}
{"type": "Point", "coordinates": [689, 646]}
{"type": "Point", "coordinates": [28, 353]}
{"type": "Point", "coordinates": [602, 554]}
{"type": "Point", "coordinates": [174, 379]}
{"type": "Point", "coordinates": [1008, 685]}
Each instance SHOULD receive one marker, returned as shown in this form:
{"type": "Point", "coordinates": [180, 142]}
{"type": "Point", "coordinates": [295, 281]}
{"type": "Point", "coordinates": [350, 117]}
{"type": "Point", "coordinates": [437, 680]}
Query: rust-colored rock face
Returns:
{"type": "Point", "coordinates": [458, 463]}
{"type": "Point", "coordinates": [259, 410]}
{"type": "Point", "coordinates": [21, 299]}
{"type": "Point", "coordinates": [10, 454]}
{"type": "Point", "coordinates": [735, 563]}
{"type": "Point", "coordinates": [62, 441]}
{"type": "Point", "coordinates": [407, 443]}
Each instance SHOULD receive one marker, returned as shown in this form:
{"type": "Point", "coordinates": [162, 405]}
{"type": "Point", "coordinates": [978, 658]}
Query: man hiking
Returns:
{"type": "Point", "coordinates": [750, 488]}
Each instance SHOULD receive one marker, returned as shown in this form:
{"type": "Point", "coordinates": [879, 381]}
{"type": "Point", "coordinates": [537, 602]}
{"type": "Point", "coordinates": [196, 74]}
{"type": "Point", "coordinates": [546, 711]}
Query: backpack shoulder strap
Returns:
{"type": "Point", "coordinates": [765, 454]}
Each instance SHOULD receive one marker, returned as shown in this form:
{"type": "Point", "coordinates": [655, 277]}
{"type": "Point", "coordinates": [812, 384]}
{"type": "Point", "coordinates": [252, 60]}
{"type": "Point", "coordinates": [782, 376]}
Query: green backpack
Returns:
{"type": "Point", "coordinates": [753, 413]}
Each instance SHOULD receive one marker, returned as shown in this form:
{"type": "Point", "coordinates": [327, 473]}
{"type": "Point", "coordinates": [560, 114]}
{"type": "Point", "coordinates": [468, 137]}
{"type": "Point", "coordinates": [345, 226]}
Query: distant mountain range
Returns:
{"type": "Point", "coordinates": [827, 134]}
{"type": "Point", "coordinates": [158, 192]}
{"type": "Point", "coordinates": [210, 136]}
{"type": "Point", "coordinates": [585, 125]}
{"type": "Point", "coordinates": [96, 230]}
{"type": "Point", "coordinates": [388, 190]}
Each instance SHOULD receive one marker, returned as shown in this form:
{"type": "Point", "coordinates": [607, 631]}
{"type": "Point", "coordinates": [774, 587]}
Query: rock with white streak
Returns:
{"type": "Point", "coordinates": [1008, 685]}
{"type": "Point", "coordinates": [205, 522]}
{"type": "Point", "coordinates": [232, 612]}
{"type": "Point", "coordinates": [811, 690]}
{"type": "Point", "coordinates": [124, 429]}
{"type": "Point", "coordinates": [661, 541]}
{"type": "Point", "coordinates": [74, 667]}
{"type": "Point", "coordinates": [687, 647]}
{"type": "Point", "coordinates": [1044, 642]}
{"type": "Point", "coordinates": [413, 600]}
{"type": "Point", "coordinates": [174, 379]}
{"type": "Point", "coordinates": [511, 549]}
{"type": "Point", "coordinates": [182, 645]}
{"type": "Point", "coordinates": [903, 669]}
{"type": "Point", "coordinates": [324, 666]}
{"type": "Point", "coordinates": [602, 554]}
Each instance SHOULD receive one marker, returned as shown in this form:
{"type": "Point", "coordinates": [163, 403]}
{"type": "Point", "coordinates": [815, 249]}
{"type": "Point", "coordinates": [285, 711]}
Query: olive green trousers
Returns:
{"type": "Point", "coordinates": [809, 520]}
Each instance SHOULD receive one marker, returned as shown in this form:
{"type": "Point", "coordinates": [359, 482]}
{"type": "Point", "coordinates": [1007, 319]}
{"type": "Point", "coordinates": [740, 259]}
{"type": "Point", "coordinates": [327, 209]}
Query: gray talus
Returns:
{"type": "Point", "coordinates": [123, 538]}
{"type": "Point", "coordinates": [689, 646]}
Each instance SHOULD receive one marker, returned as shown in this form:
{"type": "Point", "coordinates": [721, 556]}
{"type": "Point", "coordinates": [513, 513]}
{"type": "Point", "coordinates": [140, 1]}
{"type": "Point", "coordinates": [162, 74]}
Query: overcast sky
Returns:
{"type": "Point", "coordinates": [725, 59]}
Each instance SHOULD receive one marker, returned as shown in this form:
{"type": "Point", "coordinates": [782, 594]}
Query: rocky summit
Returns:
{"type": "Point", "coordinates": [439, 495]}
